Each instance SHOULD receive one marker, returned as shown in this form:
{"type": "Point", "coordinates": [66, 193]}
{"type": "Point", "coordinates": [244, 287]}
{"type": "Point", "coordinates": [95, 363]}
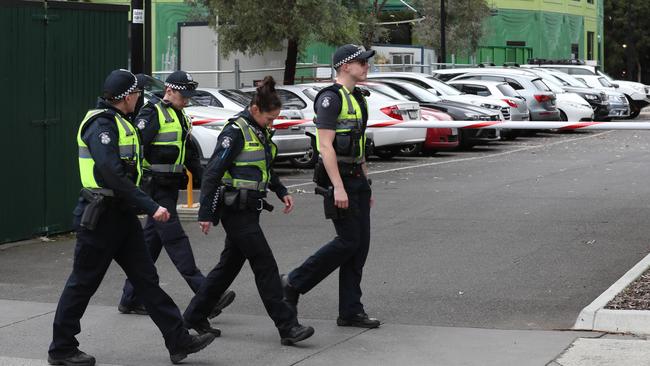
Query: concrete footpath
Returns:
{"type": "Point", "coordinates": [115, 339]}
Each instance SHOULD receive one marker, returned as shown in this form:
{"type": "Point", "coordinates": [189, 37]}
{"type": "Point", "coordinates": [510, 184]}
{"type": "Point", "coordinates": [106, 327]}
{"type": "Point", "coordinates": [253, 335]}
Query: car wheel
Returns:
{"type": "Point", "coordinates": [411, 150]}
{"type": "Point", "coordinates": [634, 109]}
{"type": "Point", "coordinates": [308, 160]}
{"type": "Point", "coordinates": [387, 153]}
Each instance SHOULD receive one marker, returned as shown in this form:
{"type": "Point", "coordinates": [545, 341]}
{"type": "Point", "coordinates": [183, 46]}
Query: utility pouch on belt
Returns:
{"type": "Point", "coordinates": [93, 210]}
{"type": "Point", "coordinates": [230, 198]}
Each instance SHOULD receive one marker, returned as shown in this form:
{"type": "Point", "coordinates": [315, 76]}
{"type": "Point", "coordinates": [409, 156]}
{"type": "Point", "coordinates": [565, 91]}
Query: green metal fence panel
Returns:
{"type": "Point", "coordinates": [83, 46]}
{"type": "Point", "coordinates": [22, 149]}
{"type": "Point", "coordinates": [58, 58]}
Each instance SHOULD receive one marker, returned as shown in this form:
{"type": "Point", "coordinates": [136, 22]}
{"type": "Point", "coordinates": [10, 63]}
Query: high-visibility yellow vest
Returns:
{"type": "Point", "coordinates": [350, 119]}
{"type": "Point", "coordinates": [129, 146]}
{"type": "Point", "coordinates": [239, 175]}
{"type": "Point", "coordinates": [170, 134]}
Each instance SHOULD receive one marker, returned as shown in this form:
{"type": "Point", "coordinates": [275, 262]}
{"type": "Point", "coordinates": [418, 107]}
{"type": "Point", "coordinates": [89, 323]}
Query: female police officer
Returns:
{"type": "Point", "coordinates": [234, 187]}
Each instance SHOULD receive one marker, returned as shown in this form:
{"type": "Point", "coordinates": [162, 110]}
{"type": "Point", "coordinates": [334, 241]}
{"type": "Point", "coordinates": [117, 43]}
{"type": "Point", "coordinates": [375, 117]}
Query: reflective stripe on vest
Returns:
{"type": "Point", "coordinates": [350, 118]}
{"type": "Point", "coordinates": [170, 134]}
{"type": "Point", "coordinates": [128, 143]}
{"type": "Point", "coordinates": [253, 155]}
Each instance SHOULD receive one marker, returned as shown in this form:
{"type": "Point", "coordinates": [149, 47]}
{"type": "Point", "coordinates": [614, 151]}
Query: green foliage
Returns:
{"type": "Point", "coordinates": [627, 23]}
{"type": "Point", "coordinates": [464, 24]}
{"type": "Point", "coordinates": [253, 26]}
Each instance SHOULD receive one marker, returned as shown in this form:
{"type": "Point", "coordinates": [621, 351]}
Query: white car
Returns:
{"type": "Point", "coordinates": [637, 94]}
{"type": "Point", "coordinates": [497, 90]}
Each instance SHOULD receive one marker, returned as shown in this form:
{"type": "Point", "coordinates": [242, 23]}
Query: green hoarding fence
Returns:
{"type": "Point", "coordinates": [56, 57]}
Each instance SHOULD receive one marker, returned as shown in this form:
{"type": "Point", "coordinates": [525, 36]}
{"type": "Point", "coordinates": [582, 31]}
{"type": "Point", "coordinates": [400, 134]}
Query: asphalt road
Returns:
{"type": "Point", "coordinates": [517, 235]}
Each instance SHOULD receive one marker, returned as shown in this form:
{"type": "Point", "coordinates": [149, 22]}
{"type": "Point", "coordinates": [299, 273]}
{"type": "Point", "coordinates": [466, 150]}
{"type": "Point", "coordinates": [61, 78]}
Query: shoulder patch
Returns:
{"type": "Point", "coordinates": [325, 102]}
{"type": "Point", "coordinates": [142, 123]}
{"type": "Point", "coordinates": [104, 138]}
{"type": "Point", "coordinates": [226, 142]}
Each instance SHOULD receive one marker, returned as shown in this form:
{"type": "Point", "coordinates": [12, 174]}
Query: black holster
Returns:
{"type": "Point", "coordinates": [331, 211]}
{"type": "Point", "coordinates": [94, 209]}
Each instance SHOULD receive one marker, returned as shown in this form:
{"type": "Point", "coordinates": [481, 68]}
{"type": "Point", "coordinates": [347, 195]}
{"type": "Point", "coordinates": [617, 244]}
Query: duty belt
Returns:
{"type": "Point", "coordinates": [102, 191]}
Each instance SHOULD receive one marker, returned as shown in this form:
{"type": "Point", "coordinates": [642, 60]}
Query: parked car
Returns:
{"type": "Point", "coordinates": [616, 104]}
{"type": "Point", "coordinates": [540, 99]}
{"type": "Point", "coordinates": [497, 89]}
{"type": "Point", "coordinates": [383, 142]}
{"type": "Point", "coordinates": [638, 94]}
{"type": "Point", "coordinates": [437, 139]}
{"type": "Point", "coordinates": [292, 142]}
{"type": "Point", "coordinates": [444, 91]}
{"type": "Point", "coordinates": [457, 110]}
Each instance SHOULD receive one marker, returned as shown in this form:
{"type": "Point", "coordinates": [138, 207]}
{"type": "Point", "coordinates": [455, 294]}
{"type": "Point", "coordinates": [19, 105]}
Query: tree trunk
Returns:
{"type": "Point", "coordinates": [290, 62]}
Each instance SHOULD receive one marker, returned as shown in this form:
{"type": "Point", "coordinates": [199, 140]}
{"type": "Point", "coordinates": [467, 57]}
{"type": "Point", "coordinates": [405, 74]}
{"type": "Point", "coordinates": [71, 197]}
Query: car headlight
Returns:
{"type": "Point", "coordinates": [591, 97]}
{"type": "Point", "coordinates": [471, 116]}
{"type": "Point", "coordinates": [490, 106]}
{"type": "Point", "coordinates": [639, 88]}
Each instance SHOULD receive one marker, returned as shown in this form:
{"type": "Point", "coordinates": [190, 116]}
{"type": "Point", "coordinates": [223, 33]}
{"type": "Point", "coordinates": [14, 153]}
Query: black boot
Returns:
{"type": "Point", "coordinates": [196, 344]}
{"type": "Point", "coordinates": [296, 334]}
{"type": "Point", "coordinates": [226, 299]}
{"type": "Point", "coordinates": [76, 359]}
{"type": "Point", "coordinates": [202, 327]}
{"type": "Point", "coordinates": [360, 320]}
{"type": "Point", "coordinates": [132, 309]}
{"type": "Point", "coordinates": [291, 295]}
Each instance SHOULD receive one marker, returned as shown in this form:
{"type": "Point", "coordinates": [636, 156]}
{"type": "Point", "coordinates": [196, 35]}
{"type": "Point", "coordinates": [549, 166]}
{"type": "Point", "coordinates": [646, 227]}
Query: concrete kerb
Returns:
{"type": "Point", "coordinates": [595, 317]}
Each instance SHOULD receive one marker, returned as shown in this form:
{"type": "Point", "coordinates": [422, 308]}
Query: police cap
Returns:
{"type": "Point", "coordinates": [120, 83]}
{"type": "Point", "coordinates": [350, 52]}
{"type": "Point", "coordinates": [183, 82]}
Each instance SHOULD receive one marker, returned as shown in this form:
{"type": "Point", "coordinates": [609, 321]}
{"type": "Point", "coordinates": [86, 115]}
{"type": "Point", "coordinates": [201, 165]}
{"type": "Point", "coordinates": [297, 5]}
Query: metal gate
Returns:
{"type": "Point", "coordinates": [55, 58]}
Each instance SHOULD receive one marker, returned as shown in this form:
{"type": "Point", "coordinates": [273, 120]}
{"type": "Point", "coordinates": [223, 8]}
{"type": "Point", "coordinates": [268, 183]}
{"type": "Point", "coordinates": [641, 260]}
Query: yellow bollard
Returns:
{"type": "Point", "coordinates": [190, 191]}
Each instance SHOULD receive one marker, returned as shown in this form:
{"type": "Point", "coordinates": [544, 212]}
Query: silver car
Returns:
{"type": "Point", "coordinates": [539, 97]}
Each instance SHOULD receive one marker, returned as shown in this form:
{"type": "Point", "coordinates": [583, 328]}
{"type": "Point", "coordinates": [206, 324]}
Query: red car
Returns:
{"type": "Point", "coordinates": [438, 138]}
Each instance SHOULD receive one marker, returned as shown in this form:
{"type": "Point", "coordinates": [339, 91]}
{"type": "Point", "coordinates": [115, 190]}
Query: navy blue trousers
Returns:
{"type": "Point", "coordinates": [172, 237]}
{"type": "Point", "coordinates": [244, 241]}
{"type": "Point", "coordinates": [118, 236]}
{"type": "Point", "coordinates": [347, 251]}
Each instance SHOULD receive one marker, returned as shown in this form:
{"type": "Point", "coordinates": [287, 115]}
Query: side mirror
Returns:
{"type": "Point", "coordinates": [615, 85]}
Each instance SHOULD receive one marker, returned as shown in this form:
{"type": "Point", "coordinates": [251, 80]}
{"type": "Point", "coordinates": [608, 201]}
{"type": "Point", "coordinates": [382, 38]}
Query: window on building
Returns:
{"type": "Point", "coordinates": [590, 45]}
{"type": "Point", "coordinates": [590, 1]}
{"type": "Point", "coordinates": [575, 48]}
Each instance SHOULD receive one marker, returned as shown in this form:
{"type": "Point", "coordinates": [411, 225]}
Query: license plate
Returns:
{"type": "Point", "coordinates": [413, 114]}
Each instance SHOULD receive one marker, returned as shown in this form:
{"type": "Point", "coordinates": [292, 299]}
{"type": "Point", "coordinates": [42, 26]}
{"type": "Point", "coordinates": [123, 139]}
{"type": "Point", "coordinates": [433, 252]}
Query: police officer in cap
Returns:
{"type": "Point", "coordinates": [234, 190]}
{"type": "Point", "coordinates": [341, 118]}
{"type": "Point", "coordinates": [108, 227]}
{"type": "Point", "coordinates": [165, 130]}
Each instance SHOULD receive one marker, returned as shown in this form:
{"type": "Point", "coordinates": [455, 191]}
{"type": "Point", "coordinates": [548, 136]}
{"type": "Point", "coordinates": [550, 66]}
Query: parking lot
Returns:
{"type": "Point", "coordinates": [514, 235]}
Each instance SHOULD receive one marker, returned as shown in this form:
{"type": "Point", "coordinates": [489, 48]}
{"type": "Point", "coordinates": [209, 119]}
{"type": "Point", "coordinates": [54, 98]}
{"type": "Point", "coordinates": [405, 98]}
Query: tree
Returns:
{"type": "Point", "coordinates": [253, 26]}
{"type": "Point", "coordinates": [627, 44]}
{"type": "Point", "coordinates": [464, 28]}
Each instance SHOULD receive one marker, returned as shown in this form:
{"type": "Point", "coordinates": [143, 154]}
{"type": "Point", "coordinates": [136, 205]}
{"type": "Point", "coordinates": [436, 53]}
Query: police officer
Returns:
{"type": "Point", "coordinates": [233, 190]}
{"type": "Point", "coordinates": [165, 130]}
{"type": "Point", "coordinates": [108, 227]}
{"type": "Point", "coordinates": [341, 117]}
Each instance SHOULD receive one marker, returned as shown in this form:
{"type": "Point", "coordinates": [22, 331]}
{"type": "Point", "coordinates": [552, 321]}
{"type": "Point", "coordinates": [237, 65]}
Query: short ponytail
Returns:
{"type": "Point", "coordinates": [266, 98]}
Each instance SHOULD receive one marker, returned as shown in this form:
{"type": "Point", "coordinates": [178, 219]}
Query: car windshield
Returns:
{"type": "Point", "coordinates": [441, 87]}
{"type": "Point", "coordinates": [553, 85]}
{"type": "Point", "coordinates": [237, 96]}
{"type": "Point", "coordinates": [604, 82]}
{"type": "Point", "coordinates": [570, 80]}
{"type": "Point", "coordinates": [385, 89]}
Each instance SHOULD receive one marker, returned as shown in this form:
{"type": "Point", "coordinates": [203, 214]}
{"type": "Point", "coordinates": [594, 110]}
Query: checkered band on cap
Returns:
{"type": "Point", "coordinates": [176, 86]}
{"type": "Point", "coordinates": [349, 58]}
{"type": "Point", "coordinates": [129, 90]}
